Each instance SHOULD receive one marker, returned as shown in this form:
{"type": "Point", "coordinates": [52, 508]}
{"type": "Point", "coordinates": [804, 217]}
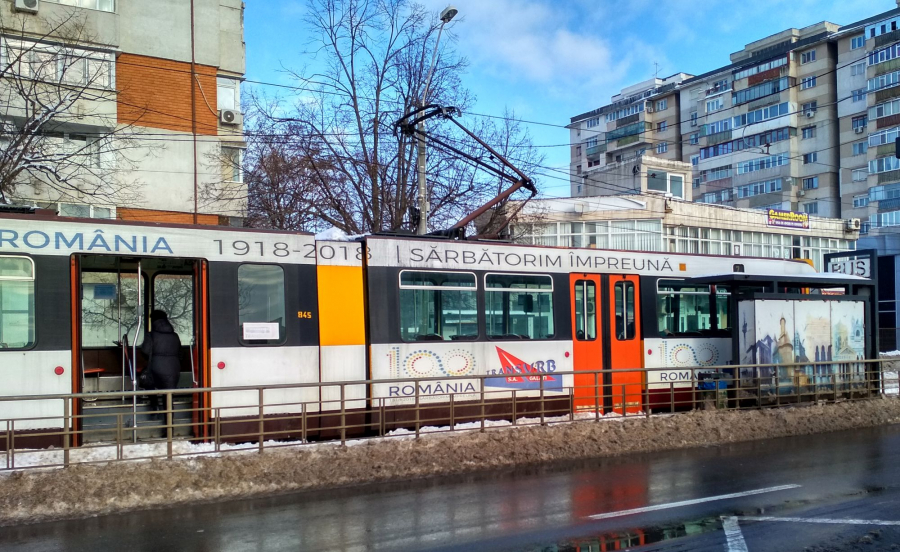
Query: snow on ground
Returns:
{"type": "Point", "coordinates": [184, 449]}
{"type": "Point", "coordinates": [86, 490]}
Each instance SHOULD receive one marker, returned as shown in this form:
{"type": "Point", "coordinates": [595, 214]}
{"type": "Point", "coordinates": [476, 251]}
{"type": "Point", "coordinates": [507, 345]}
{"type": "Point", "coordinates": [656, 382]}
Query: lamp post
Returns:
{"type": "Point", "coordinates": [446, 15]}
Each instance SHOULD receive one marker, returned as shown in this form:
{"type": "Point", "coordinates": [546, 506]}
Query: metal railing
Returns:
{"type": "Point", "coordinates": [100, 427]}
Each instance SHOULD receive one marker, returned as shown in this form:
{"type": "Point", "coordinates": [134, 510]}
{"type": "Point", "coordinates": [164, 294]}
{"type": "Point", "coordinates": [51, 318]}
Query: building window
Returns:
{"type": "Point", "coordinates": [884, 164]}
{"type": "Point", "coordinates": [520, 305]}
{"type": "Point", "coordinates": [762, 90]}
{"type": "Point", "coordinates": [858, 69]}
{"type": "Point", "coordinates": [660, 181]}
{"type": "Point", "coordinates": [261, 304]}
{"type": "Point", "coordinates": [233, 161]}
{"type": "Point", "coordinates": [695, 160]}
{"type": "Point", "coordinates": [807, 82]}
{"type": "Point", "coordinates": [693, 118]}
{"type": "Point", "coordinates": [809, 107]}
{"type": "Point", "coordinates": [770, 162]}
{"type": "Point", "coordinates": [809, 132]}
{"type": "Point", "coordinates": [438, 306]}
{"type": "Point", "coordinates": [759, 188]}
{"type": "Point", "coordinates": [888, 136]}
{"type": "Point", "coordinates": [860, 201]}
{"type": "Point", "coordinates": [743, 73]}
{"type": "Point", "coordinates": [887, 80]}
{"type": "Point", "coordinates": [661, 105]}
{"type": "Point", "coordinates": [662, 126]}
{"type": "Point", "coordinates": [858, 42]}
{"type": "Point", "coordinates": [811, 208]}
{"type": "Point", "coordinates": [578, 188]}
{"type": "Point", "coordinates": [591, 123]}
{"type": "Point", "coordinates": [577, 151]}
{"type": "Point", "coordinates": [860, 175]}
{"type": "Point", "coordinates": [860, 122]}
{"type": "Point", "coordinates": [807, 57]}
{"type": "Point", "coordinates": [858, 95]}
{"type": "Point", "coordinates": [762, 114]}
{"type": "Point", "coordinates": [49, 63]}
{"type": "Point", "coordinates": [695, 183]}
{"type": "Point", "coordinates": [714, 105]}
{"type": "Point", "coordinates": [809, 158]}
{"type": "Point", "coordinates": [860, 148]}
{"type": "Point", "coordinates": [16, 302]}
{"type": "Point", "coordinates": [662, 147]}
{"type": "Point", "coordinates": [811, 183]}
{"type": "Point", "coordinates": [102, 5]}
{"type": "Point", "coordinates": [695, 138]}
{"type": "Point", "coordinates": [228, 93]}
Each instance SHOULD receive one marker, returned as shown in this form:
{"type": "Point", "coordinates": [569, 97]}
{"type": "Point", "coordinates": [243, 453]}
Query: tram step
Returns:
{"type": "Point", "coordinates": [101, 420]}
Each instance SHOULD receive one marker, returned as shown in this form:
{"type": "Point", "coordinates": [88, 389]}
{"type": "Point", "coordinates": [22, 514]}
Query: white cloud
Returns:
{"type": "Point", "coordinates": [533, 42]}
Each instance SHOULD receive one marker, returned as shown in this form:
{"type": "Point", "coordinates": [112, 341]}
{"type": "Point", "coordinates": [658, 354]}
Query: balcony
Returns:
{"type": "Point", "coordinates": [625, 121]}
{"type": "Point", "coordinates": [887, 38]}
{"type": "Point", "coordinates": [627, 140]}
{"type": "Point", "coordinates": [892, 204]}
{"type": "Point", "coordinates": [595, 150]}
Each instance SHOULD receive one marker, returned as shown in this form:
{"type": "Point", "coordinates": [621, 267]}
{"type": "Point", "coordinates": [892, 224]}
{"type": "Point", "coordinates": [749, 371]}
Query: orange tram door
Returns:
{"type": "Point", "coordinates": [606, 333]}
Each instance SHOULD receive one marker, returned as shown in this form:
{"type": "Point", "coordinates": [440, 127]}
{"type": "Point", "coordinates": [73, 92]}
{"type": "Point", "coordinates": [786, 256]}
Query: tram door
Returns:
{"type": "Point", "coordinates": [112, 309]}
{"type": "Point", "coordinates": [606, 335]}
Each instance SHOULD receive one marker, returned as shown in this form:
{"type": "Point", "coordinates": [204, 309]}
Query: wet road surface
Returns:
{"type": "Point", "coordinates": [837, 491]}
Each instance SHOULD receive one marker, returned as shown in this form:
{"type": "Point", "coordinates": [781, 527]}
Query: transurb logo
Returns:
{"type": "Point", "coordinates": [521, 375]}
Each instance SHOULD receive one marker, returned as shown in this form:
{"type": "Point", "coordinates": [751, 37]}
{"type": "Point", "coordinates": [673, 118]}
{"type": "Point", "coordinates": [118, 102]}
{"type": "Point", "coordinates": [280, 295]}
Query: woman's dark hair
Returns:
{"type": "Point", "coordinates": [158, 315]}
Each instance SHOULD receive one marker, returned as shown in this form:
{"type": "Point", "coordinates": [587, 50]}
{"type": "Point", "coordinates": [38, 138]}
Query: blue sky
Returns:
{"type": "Point", "coordinates": [549, 60]}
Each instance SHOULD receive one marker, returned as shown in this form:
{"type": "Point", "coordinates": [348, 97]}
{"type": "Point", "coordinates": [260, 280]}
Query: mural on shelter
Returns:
{"type": "Point", "coordinates": [799, 331]}
{"type": "Point", "coordinates": [812, 340]}
{"type": "Point", "coordinates": [848, 336]}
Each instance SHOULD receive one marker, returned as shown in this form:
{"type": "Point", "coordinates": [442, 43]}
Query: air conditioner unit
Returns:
{"type": "Point", "coordinates": [853, 224]}
{"type": "Point", "coordinates": [810, 114]}
{"type": "Point", "coordinates": [859, 130]}
{"type": "Point", "coordinates": [27, 6]}
{"type": "Point", "coordinates": [230, 117]}
{"type": "Point", "coordinates": [801, 193]}
{"type": "Point", "coordinates": [649, 109]}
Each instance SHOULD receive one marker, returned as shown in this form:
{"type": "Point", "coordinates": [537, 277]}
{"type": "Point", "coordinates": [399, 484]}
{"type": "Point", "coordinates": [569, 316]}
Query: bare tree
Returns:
{"type": "Point", "coordinates": [353, 170]}
{"type": "Point", "coordinates": [58, 118]}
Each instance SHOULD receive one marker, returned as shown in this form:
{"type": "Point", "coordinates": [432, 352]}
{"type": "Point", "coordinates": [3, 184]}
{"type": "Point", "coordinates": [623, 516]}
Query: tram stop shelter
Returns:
{"type": "Point", "coordinates": [799, 319]}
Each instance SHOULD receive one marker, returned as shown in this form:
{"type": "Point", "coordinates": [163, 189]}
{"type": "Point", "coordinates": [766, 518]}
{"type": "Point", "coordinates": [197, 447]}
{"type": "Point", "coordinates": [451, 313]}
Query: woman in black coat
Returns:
{"type": "Point", "coordinates": [163, 348]}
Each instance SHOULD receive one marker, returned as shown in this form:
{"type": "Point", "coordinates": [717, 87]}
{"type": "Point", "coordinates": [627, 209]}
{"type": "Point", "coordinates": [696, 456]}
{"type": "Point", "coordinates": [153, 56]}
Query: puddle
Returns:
{"type": "Point", "coordinates": [623, 540]}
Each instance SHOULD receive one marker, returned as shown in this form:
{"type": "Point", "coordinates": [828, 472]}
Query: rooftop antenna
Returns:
{"type": "Point", "coordinates": [656, 66]}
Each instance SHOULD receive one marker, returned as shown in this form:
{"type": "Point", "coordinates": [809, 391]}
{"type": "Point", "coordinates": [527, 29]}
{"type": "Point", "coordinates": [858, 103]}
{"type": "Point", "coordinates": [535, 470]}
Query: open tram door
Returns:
{"type": "Point", "coordinates": [606, 329]}
{"type": "Point", "coordinates": [113, 297]}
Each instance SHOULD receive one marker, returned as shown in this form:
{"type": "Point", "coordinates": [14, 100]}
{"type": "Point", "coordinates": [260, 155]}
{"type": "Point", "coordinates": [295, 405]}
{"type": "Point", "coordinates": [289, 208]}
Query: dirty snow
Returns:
{"type": "Point", "coordinates": [96, 489]}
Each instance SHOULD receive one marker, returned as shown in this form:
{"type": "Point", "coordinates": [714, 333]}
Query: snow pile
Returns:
{"type": "Point", "coordinates": [95, 489]}
{"type": "Point", "coordinates": [94, 453]}
{"type": "Point", "coordinates": [334, 234]}
{"type": "Point", "coordinates": [890, 375]}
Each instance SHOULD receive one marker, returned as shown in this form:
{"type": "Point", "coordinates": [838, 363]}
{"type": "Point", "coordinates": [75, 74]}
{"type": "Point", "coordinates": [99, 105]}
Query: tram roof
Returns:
{"type": "Point", "coordinates": [818, 280]}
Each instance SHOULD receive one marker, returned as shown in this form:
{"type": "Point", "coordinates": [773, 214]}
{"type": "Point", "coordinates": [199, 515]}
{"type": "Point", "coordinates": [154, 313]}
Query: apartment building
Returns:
{"type": "Point", "coordinates": [758, 130]}
{"type": "Point", "coordinates": [641, 119]}
{"type": "Point", "coordinates": [869, 120]}
{"type": "Point", "coordinates": [159, 100]}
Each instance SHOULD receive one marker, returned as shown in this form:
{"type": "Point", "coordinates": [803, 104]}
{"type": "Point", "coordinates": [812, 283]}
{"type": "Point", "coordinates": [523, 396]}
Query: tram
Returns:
{"type": "Point", "coordinates": [256, 307]}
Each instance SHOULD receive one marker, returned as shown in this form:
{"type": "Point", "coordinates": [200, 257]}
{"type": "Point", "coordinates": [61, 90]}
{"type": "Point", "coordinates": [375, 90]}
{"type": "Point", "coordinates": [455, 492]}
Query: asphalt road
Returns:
{"type": "Point", "coordinates": [822, 493]}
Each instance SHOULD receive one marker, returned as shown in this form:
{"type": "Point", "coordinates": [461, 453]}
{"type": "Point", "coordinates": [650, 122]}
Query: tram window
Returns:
{"type": "Point", "coordinates": [261, 304]}
{"type": "Point", "coordinates": [624, 299]}
{"type": "Point", "coordinates": [685, 310]}
{"type": "Point", "coordinates": [109, 308]}
{"type": "Point", "coordinates": [585, 310]}
{"type": "Point", "coordinates": [174, 294]}
{"type": "Point", "coordinates": [519, 306]}
{"type": "Point", "coordinates": [16, 303]}
{"type": "Point", "coordinates": [438, 306]}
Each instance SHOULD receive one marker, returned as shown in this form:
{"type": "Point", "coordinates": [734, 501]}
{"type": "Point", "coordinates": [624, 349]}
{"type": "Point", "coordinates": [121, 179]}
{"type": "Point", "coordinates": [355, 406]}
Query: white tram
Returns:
{"type": "Point", "coordinates": [264, 308]}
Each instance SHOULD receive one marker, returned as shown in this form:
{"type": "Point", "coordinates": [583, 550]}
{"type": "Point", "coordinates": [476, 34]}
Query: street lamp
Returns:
{"type": "Point", "coordinates": [446, 15]}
